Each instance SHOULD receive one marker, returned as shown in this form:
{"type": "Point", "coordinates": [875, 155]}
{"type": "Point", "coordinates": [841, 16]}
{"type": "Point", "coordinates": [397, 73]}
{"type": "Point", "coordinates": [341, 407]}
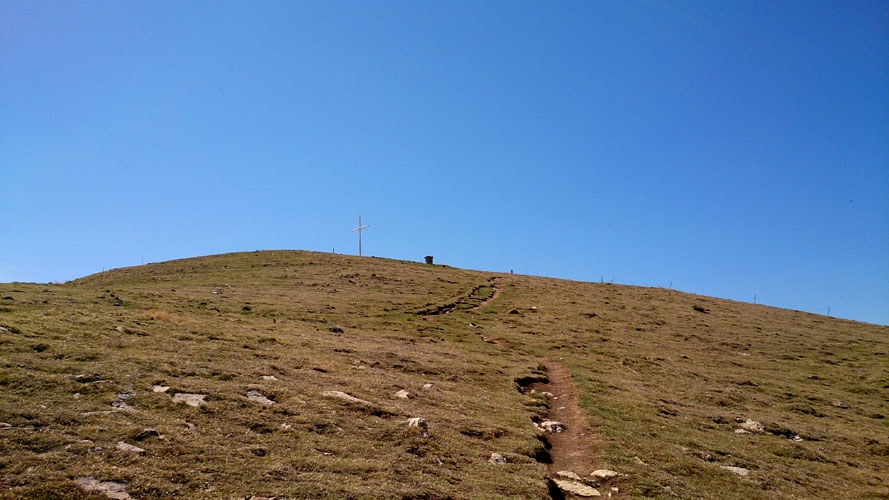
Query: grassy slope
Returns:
{"type": "Point", "coordinates": [664, 376]}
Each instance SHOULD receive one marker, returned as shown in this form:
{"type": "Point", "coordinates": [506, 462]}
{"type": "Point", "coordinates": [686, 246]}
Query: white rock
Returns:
{"type": "Point", "coordinates": [498, 459]}
{"type": "Point", "coordinates": [258, 397]}
{"type": "Point", "coordinates": [129, 448]}
{"type": "Point", "coordinates": [427, 386]}
{"type": "Point", "coordinates": [567, 474]}
{"type": "Point", "coordinates": [737, 470]}
{"type": "Point", "coordinates": [551, 426]}
{"type": "Point", "coordinates": [344, 397]}
{"type": "Point", "coordinates": [421, 424]}
{"type": "Point", "coordinates": [270, 377]}
{"type": "Point", "coordinates": [742, 431]}
{"type": "Point", "coordinates": [417, 422]}
{"type": "Point", "coordinates": [160, 388]}
{"type": "Point", "coordinates": [402, 394]}
{"type": "Point", "coordinates": [604, 474]}
{"type": "Point", "coordinates": [752, 425]}
{"type": "Point", "coordinates": [576, 488]}
{"type": "Point", "coordinates": [190, 399]}
{"type": "Point", "coordinates": [115, 491]}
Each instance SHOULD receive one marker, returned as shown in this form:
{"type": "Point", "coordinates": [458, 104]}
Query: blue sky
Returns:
{"type": "Point", "coordinates": [729, 149]}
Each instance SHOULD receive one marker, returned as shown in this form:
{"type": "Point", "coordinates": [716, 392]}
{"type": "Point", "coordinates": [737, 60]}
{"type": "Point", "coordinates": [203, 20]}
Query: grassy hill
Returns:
{"type": "Point", "coordinates": [230, 376]}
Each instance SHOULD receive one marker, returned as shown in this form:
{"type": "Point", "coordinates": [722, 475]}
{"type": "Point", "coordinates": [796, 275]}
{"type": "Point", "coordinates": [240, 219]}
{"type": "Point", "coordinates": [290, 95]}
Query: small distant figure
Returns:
{"type": "Point", "coordinates": [510, 271]}
{"type": "Point", "coordinates": [429, 259]}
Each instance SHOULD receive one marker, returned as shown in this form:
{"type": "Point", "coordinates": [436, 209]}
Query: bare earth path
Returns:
{"type": "Point", "coordinates": [495, 285]}
{"type": "Point", "coordinates": [572, 449]}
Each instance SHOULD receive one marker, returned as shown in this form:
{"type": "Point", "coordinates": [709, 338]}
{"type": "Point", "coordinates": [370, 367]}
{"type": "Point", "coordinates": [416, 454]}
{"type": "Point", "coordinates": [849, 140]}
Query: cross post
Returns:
{"type": "Point", "coordinates": [359, 229]}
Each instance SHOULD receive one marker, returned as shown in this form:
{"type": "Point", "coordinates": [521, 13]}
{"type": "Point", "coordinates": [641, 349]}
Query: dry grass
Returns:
{"type": "Point", "coordinates": [665, 378]}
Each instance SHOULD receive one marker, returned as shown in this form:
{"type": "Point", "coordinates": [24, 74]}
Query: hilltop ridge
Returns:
{"type": "Point", "coordinates": [677, 393]}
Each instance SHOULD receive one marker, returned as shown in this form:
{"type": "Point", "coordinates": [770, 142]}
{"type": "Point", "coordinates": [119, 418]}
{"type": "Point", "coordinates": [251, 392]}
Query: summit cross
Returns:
{"type": "Point", "coordinates": [359, 229]}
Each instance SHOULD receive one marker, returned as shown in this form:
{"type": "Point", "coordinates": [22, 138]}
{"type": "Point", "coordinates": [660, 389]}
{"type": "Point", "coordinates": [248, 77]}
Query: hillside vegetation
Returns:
{"type": "Point", "coordinates": [289, 374]}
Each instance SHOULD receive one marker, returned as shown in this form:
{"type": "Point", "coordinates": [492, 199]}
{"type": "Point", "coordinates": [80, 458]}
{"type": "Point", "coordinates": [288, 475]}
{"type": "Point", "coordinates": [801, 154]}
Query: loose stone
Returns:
{"type": "Point", "coordinates": [576, 488]}
{"type": "Point", "coordinates": [604, 474]}
{"type": "Point", "coordinates": [258, 397]}
{"type": "Point", "coordinates": [344, 397]}
{"type": "Point", "coordinates": [551, 426]}
{"type": "Point", "coordinates": [195, 400]}
{"type": "Point", "coordinates": [753, 425]}
{"type": "Point", "coordinates": [737, 470]}
{"type": "Point", "coordinates": [129, 448]}
{"type": "Point", "coordinates": [111, 489]}
{"type": "Point", "coordinates": [417, 422]}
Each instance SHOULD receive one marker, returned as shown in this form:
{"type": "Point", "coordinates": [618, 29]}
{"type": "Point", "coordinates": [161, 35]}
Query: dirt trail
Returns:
{"type": "Point", "coordinates": [573, 448]}
{"type": "Point", "coordinates": [465, 302]}
{"type": "Point", "coordinates": [497, 290]}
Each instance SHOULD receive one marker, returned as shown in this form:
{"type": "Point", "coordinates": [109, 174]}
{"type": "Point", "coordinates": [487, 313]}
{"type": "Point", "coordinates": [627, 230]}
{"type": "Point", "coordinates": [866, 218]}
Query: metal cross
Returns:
{"type": "Point", "coordinates": [359, 229]}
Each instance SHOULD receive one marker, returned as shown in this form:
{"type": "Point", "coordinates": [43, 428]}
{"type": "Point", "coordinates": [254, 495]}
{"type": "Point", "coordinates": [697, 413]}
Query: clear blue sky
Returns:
{"type": "Point", "coordinates": [729, 149]}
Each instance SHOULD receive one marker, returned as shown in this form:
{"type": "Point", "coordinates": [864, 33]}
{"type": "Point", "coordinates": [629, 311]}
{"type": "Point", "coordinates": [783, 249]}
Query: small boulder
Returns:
{"type": "Point", "coordinates": [111, 489]}
{"type": "Point", "coordinates": [551, 426]}
{"type": "Point", "coordinates": [195, 400]}
{"type": "Point", "coordinates": [498, 459]}
{"type": "Point", "coordinates": [737, 470]}
{"type": "Point", "coordinates": [160, 388]}
{"type": "Point", "coordinates": [258, 397]}
{"type": "Point", "coordinates": [604, 474]}
{"type": "Point", "coordinates": [129, 448]}
{"type": "Point", "coordinates": [752, 425]}
{"type": "Point", "coordinates": [344, 397]}
{"type": "Point", "coordinates": [417, 422]}
{"type": "Point", "coordinates": [402, 394]}
{"type": "Point", "coordinates": [576, 488]}
{"type": "Point", "coordinates": [421, 424]}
